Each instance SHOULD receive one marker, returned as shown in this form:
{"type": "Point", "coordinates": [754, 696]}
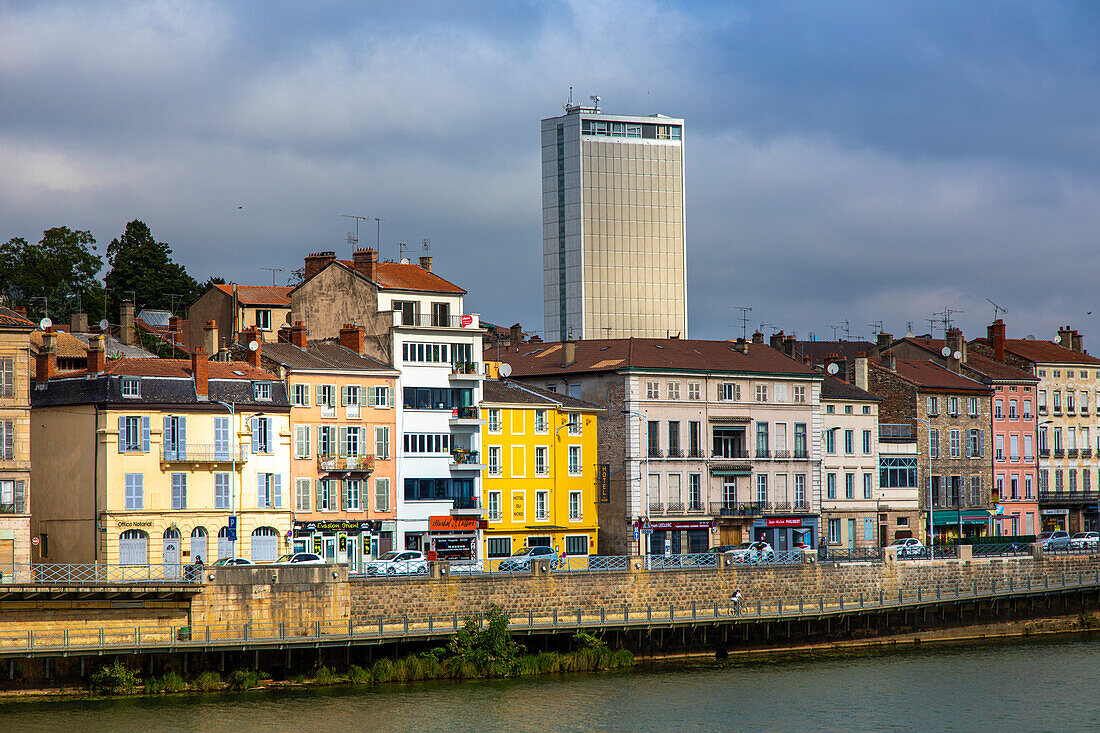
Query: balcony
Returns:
{"type": "Point", "coordinates": [735, 509]}
{"type": "Point", "coordinates": [203, 453]}
{"type": "Point", "coordinates": [1057, 411]}
{"type": "Point", "coordinates": [467, 417]}
{"type": "Point", "coordinates": [495, 515]}
{"type": "Point", "coordinates": [801, 455]}
{"type": "Point", "coordinates": [782, 455]}
{"type": "Point", "coordinates": [1071, 453]}
{"type": "Point", "coordinates": [1085, 452]}
{"type": "Point", "coordinates": [467, 460]}
{"type": "Point", "coordinates": [654, 452]}
{"type": "Point", "coordinates": [328, 410]}
{"type": "Point", "coordinates": [1027, 415]}
{"type": "Point", "coordinates": [896, 433]}
{"type": "Point", "coordinates": [696, 453]}
{"type": "Point", "coordinates": [1059, 453]}
{"type": "Point", "coordinates": [731, 455]}
{"type": "Point", "coordinates": [435, 320]}
{"type": "Point", "coordinates": [1068, 498]}
{"type": "Point", "coordinates": [13, 508]}
{"type": "Point", "coordinates": [763, 453]}
{"type": "Point", "coordinates": [465, 504]}
{"type": "Point", "coordinates": [542, 515]}
{"type": "Point", "coordinates": [465, 370]}
{"type": "Point", "coordinates": [345, 464]}
{"type": "Point", "coordinates": [1044, 453]}
{"type": "Point", "coordinates": [675, 453]}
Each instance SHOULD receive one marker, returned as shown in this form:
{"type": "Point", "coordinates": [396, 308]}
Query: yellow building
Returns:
{"type": "Point", "coordinates": [540, 475]}
{"type": "Point", "coordinates": [159, 461]}
{"type": "Point", "coordinates": [15, 458]}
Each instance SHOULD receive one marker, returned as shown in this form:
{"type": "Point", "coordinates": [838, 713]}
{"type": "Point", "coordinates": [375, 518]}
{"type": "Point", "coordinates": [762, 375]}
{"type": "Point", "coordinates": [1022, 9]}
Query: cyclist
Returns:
{"type": "Point", "coordinates": [735, 601]}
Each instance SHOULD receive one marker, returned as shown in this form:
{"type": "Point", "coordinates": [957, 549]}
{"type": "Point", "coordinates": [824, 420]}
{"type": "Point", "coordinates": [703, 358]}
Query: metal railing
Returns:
{"type": "Point", "coordinates": [95, 574]}
{"type": "Point", "coordinates": [1046, 495]}
{"type": "Point", "coordinates": [895, 432]}
{"type": "Point", "coordinates": [675, 452]}
{"type": "Point", "coordinates": [1000, 549]}
{"type": "Point", "coordinates": [432, 320]}
{"type": "Point", "coordinates": [464, 368]}
{"type": "Point", "coordinates": [463, 457]}
{"type": "Point", "coordinates": [939, 552]}
{"type": "Point", "coordinates": [468, 413]}
{"type": "Point", "coordinates": [345, 463]}
{"type": "Point", "coordinates": [203, 453]}
{"type": "Point", "coordinates": [735, 509]}
{"type": "Point", "coordinates": [858, 554]}
{"type": "Point", "coordinates": [731, 455]}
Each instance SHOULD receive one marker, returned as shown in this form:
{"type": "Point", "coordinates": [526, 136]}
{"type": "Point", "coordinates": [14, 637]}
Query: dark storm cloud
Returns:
{"type": "Point", "coordinates": [860, 161]}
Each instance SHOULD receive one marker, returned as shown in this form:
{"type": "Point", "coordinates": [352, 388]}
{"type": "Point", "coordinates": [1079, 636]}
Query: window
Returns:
{"type": "Point", "coordinates": [441, 314]}
{"type": "Point", "coordinates": [495, 422]}
{"type": "Point", "coordinates": [133, 434]}
{"type": "Point", "coordinates": [574, 505]}
{"type": "Point", "coordinates": [381, 442]}
{"type": "Point", "coordinates": [261, 390]}
{"type": "Point", "coordinates": [135, 491]}
{"type": "Point", "coordinates": [848, 409]}
{"type": "Point", "coordinates": [7, 440]}
{"type": "Point", "coordinates": [325, 501]}
{"type": "Point", "coordinates": [350, 441]}
{"type": "Point", "coordinates": [830, 409]}
{"type": "Point", "coordinates": [761, 440]}
{"type": "Point", "coordinates": [653, 390]}
{"type": "Point", "coordinates": [381, 494]}
{"type": "Point", "coordinates": [1000, 454]}
{"type": "Point", "coordinates": [299, 395]}
{"type": "Point", "coordinates": [998, 409]}
{"type": "Point", "coordinates": [1042, 398]}
{"type": "Point", "coordinates": [897, 473]}
{"type": "Point", "coordinates": [953, 406]}
{"type": "Point", "coordinates": [541, 423]}
{"type": "Point", "coordinates": [866, 442]}
{"type": "Point", "coordinates": [574, 460]}
{"type": "Point", "coordinates": [494, 460]}
{"type": "Point", "coordinates": [830, 486]}
{"type": "Point", "coordinates": [574, 422]}
{"type": "Point", "coordinates": [407, 309]}
{"type": "Point", "coordinates": [7, 379]}
{"type": "Point", "coordinates": [417, 353]}
{"type": "Point", "coordinates": [301, 441]}
{"type": "Point", "coordinates": [800, 491]}
{"type": "Point", "coordinates": [1013, 447]}
{"type": "Point", "coordinates": [1014, 482]}
{"type": "Point", "coordinates": [1057, 401]}
{"type": "Point", "coordinates": [693, 390]}
{"type": "Point", "coordinates": [131, 386]}
{"type": "Point", "coordinates": [780, 393]}
{"type": "Point", "coordinates": [542, 505]}
{"type": "Point", "coordinates": [1070, 394]}
{"type": "Point", "coordinates": [351, 494]}
{"type": "Point", "coordinates": [834, 531]}
{"type": "Point", "coordinates": [975, 490]}
{"type": "Point", "coordinates": [849, 442]}
{"type": "Point", "coordinates": [695, 492]}
{"type": "Point", "coordinates": [576, 544]}
{"type": "Point", "coordinates": [956, 446]}
{"type": "Point", "coordinates": [179, 490]}
{"type": "Point", "coordinates": [761, 393]}
{"type": "Point", "coordinates": [261, 435]}
{"type": "Point", "coordinates": [498, 546]}
{"type": "Point", "coordinates": [799, 394]}
{"type": "Point", "coordinates": [1029, 454]}
{"type": "Point", "coordinates": [13, 497]}
{"type": "Point", "coordinates": [326, 399]}
{"type": "Point", "coordinates": [934, 443]}
{"type": "Point", "coordinates": [1084, 402]}
{"type": "Point", "coordinates": [972, 406]}
{"type": "Point", "coordinates": [762, 488]}
{"type": "Point", "coordinates": [1027, 409]}
{"type": "Point", "coordinates": [729, 392]}
{"type": "Point", "coordinates": [350, 396]}
{"type": "Point", "coordinates": [268, 491]}
{"type": "Point", "coordinates": [221, 491]}
{"type": "Point", "coordinates": [830, 441]}
{"type": "Point", "coordinates": [326, 440]}
{"type": "Point", "coordinates": [868, 486]}
{"type": "Point", "coordinates": [674, 450]}
{"type": "Point", "coordinates": [933, 405]}
{"type": "Point", "coordinates": [673, 389]}
{"type": "Point", "coordinates": [800, 450]}
{"type": "Point", "coordinates": [849, 486]}
{"type": "Point", "coordinates": [301, 495]}
{"type": "Point", "coordinates": [494, 505]}
{"type": "Point", "coordinates": [1027, 487]}
{"type": "Point", "coordinates": [542, 467]}
{"type": "Point", "coordinates": [263, 320]}
{"type": "Point", "coordinates": [1012, 404]}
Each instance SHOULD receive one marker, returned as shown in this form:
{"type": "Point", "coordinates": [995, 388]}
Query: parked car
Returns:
{"type": "Point", "coordinates": [522, 559]}
{"type": "Point", "coordinates": [752, 552]}
{"type": "Point", "coordinates": [233, 561]}
{"type": "Point", "coordinates": [1059, 539]}
{"type": "Point", "coordinates": [301, 558]}
{"type": "Point", "coordinates": [907, 547]}
{"type": "Point", "coordinates": [1085, 541]}
{"type": "Point", "coordinates": [719, 549]}
{"type": "Point", "coordinates": [398, 562]}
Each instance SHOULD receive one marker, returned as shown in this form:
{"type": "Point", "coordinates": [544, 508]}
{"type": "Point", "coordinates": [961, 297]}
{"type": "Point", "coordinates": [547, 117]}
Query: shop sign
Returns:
{"type": "Point", "coordinates": [447, 544]}
{"type": "Point", "coordinates": [134, 524]}
{"type": "Point", "coordinates": [1054, 511]}
{"type": "Point", "coordinates": [603, 483]}
{"type": "Point", "coordinates": [784, 522]}
{"type": "Point", "coordinates": [336, 525]}
{"type": "Point", "coordinates": [452, 524]}
{"type": "Point", "coordinates": [686, 524]}
{"type": "Point", "coordinates": [466, 321]}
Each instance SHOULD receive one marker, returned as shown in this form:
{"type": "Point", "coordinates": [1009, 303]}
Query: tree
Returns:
{"type": "Point", "coordinates": [60, 271]}
{"type": "Point", "coordinates": [142, 269]}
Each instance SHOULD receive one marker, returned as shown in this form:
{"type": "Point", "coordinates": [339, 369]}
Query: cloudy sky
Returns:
{"type": "Point", "coordinates": [858, 161]}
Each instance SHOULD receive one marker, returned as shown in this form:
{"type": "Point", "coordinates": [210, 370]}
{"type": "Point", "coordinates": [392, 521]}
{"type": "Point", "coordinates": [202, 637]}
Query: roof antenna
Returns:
{"type": "Point", "coordinates": [996, 309]}
{"type": "Point", "coordinates": [279, 269]}
{"type": "Point", "coordinates": [745, 310]}
{"type": "Point", "coordinates": [595, 101]}
{"type": "Point", "coordinates": [402, 248]}
{"type": "Point", "coordinates": [570, 95]}
{"type": "Point", "coordinates": [427, 242]}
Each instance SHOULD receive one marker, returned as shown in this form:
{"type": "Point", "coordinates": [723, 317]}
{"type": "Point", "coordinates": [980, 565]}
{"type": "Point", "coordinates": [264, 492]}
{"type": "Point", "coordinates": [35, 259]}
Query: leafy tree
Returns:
{"type": "Point", "coordinates": [212, 280]}
{"type": "Point", "coordinates": [142, 269]}
{"type": "Point", "coordinates": [60, 270]}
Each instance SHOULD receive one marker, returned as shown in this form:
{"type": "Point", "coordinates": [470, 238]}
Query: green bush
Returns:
{"type": "Point", "coordinates": [583, 640]}
{"type": "Point", "coordinates": [114, 679]}
{"type": "Point", "coordinates": [382, 670]}
{"type": "Point", "coordinates": [170, 682]}
{"type": "Point", "coordinates": [488, 646]}
{"type": "Point", "coordinates": [207, 682]}
{"type": "Point", "coordinates": [324, 676]}
{"type": "Point", "coordinates": [358, 676]}
{"type": "Point", "coordinates": [244, 679]}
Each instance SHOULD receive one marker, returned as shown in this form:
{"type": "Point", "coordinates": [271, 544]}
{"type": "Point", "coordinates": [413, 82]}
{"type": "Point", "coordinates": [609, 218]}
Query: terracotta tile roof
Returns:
{"type": "Point", "coordinates": [1043, 352]}
{"type": "Point", "coordinates": [320, 354]}
{"type": "Point", "coordinates": [818, 350]}
{"type": "Point", "coordinates": [65, 345]}
{"type": "Point", "coordinates": [8, 317]}
{"type": "Point", "coordinates": [930, 375]}
{"type": "Point", "coordinates": [258, 294]}
{"type": "Point", "coordinates": [181, 368]}
{"type": "Point", "coordinates": [980, 364]}
{"type": "Point", "coordinates": [399, 276]}
{"type": "Point", "coordinates": [608, 355]}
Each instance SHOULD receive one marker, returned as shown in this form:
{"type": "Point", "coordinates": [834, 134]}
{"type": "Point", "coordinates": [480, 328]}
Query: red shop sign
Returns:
{"type": "Point", "coordinates": [784, 521]}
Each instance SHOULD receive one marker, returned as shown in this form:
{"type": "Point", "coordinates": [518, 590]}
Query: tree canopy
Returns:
{"type": "Point", "coordinates": [55, 277]}
{"type": "Point", "coordinates": [142, 269]}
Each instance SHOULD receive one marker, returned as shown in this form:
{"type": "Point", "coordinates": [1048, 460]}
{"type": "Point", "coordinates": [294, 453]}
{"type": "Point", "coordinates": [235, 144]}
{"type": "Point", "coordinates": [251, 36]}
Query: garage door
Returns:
{"type": "Point", "coordinates": [265, 545]}
{"type": "Point", "coordinates": [133, 548]}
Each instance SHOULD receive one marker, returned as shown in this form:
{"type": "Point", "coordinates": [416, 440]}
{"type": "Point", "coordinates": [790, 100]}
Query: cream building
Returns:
{"type": "Point", "coordinates": [614, 257]}
{"type": "Point", "coordinates": [159, 461]}
{"type": "Point", "coordinates": [15, 408]}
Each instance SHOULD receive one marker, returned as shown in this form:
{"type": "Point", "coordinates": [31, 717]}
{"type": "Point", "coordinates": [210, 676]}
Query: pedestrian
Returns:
{"type": "Point", "coordinates": [195, 571]}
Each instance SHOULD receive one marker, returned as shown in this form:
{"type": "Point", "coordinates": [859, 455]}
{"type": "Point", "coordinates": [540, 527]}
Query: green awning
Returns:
{"type": "Point", "coordinates": [969, 516]}
{"type": "Point", "coordinates": [730, 471]}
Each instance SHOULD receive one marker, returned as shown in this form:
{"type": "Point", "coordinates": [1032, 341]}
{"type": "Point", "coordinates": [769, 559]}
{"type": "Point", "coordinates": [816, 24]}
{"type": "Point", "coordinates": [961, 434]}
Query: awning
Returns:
{"type": "Point", "coordinates": [969, 516]}
{"type": "Point", "coordinates": [730, 471]}
{"type": "Point", "coordinates": [729, 419]}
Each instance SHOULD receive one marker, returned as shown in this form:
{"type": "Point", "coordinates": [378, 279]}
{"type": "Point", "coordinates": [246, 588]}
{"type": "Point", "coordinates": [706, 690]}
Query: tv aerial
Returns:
{"type": "Point", "coordinates": [996, 309]}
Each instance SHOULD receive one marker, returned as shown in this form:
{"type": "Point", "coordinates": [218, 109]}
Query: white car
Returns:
{"type": "Point", "coordinates": [398, 562]}
{"type": "Point", "coordinates": [301, 558]}
{"type": "Point", "coordinates": [907, 547]}
{"type": "Point", "coordinates": [1085, 541]}
{"type": "Point", "coordinates": [752, 552]}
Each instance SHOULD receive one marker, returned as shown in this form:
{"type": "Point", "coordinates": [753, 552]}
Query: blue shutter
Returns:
{"type": "Point", "coordinates": [256, 436]}
{"type": "Point", "coordinates": [181, 436]}
{"type": "Point", "coordinates": [167, 443]}
{"type": "Point", "coordinates": [122, 435]}
{"type": "Point", "coordinates": [261, 494]}
{"type": "Point", "coordinates": [144, 435]}
{"type": "Point", "coordinates": [278, 481]}
{"type": "Point", "coordinates": [342, 441]}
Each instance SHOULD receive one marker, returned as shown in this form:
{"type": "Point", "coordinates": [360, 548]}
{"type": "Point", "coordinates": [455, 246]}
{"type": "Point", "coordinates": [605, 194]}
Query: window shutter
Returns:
{"type": "Point", "coordinates": [343, 395]}
{"type": "Point", "coordinates": [9, 439]}
{"type": "Point", "coordinates": [342, 447]}
{"type": "Point", "coordinates": [364, 445]}
{"type": "Point", "coordinates": [305, 395]}
{"type": "Point", "coordinates": [144, 435]}
{"type": "Point", "coordinates": [981, 443]}
{"type": "Point", "coordinates": [278, 479]}
{"type": "Point", "coordinates": [364, 397]}
{"type": "Point", "coordinates": [343, 495]}
{"type": "Point", "coordinates": [20, 497]}
{"type": "Point", "coordinates": [261, 485]}
{"type": "Point", "coordinates": [255, 436]}
{"type": "Point", "coordinates": [122, 435]}
{"type": "Point", "coordinates": [181, 436]}
{"type": "Point", "coordinates": [320, 492]}
{"type": "Point", "coordinates": [166, 436]}
{"type": "Point", "coordinates": [389, 396]}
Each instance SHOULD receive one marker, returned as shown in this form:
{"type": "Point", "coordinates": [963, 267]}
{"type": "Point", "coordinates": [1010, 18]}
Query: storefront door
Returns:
{"type": "Point", "coordinates": [328, 544]}
{"type": "Point", "coordinates": [851, 534]}
{"type": "Point", "coordinates": [355, 553]}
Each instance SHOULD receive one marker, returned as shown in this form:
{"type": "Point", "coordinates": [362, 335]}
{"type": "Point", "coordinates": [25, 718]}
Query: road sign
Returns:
{"type": "Point", "coordinates": [232, 523]}
{"type": "Point", "coordinates": [635, 534]}
{"type": "Point", "coordinates": [34, 541]}
{"type": "Point", "coordinates": [647, 531]}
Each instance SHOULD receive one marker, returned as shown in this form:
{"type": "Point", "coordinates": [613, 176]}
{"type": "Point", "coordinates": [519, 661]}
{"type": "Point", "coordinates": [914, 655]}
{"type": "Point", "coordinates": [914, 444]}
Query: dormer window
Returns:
{"type": "Point", "coordinates": [131, 387]}
{"type": "Point", "coordinates": [261, 390]}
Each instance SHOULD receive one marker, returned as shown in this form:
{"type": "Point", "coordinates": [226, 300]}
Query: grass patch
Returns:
{"type": "Point", "coordinates": [358, 676]}
{"type": "Point", "coordinates": [244, 679]}
{"type": "Point", "coordinates": [208, 682]}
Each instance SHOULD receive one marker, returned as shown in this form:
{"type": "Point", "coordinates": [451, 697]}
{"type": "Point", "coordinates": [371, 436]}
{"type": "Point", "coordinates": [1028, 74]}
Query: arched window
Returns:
{"type": "Point", "coordinates": [171, 549]}
{"type": "Point", "coordinates": [133, 548]}
{"type": "Point", "coordinates": [198, 544]}
{"type": "Point", "coordinates": [226, 546]}
{"type": "Point", "coordinates": [265, 544]}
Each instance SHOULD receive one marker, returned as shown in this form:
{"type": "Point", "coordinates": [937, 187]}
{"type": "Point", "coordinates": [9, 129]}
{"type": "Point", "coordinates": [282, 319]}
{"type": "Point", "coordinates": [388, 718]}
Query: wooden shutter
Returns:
{"type": "Point", "coordinates": [364, 396]}
{"type": "Point", "coordinates": [145, 435]}
{"type": "Point", "coordinates": [277, 481]}
{"type": "Point", "coordinates": [390, 391]}
{"type": "Point", "coordinates": [320, 494]}
{"type": "Point", "coordinates": [181, 436]}
{"type": "Point", "coordinates": [20, 497]}
{"type": "Point", "coordinates": [122, 434]}
{"type": "Point", "coordinates": [256, 436]}
{"type": "Point", "coordinates": [261, 492]}
{"type": "Point", "coordinates": [9, 439]}
{"type": "Point", "coordinates": [342, 441]}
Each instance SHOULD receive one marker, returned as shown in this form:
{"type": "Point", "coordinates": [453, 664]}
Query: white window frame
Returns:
{"type": "Point", "coordinates": [302, 441]}
{"type": "Point", "coordinates": [576, 506]}
{"type": "Point", "coordinates": [131, 387]}
{"type": "Point", "coordinates": [576, 462]}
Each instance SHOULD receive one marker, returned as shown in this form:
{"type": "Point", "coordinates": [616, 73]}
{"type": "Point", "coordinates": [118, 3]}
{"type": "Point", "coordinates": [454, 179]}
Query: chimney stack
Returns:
{"type": "Point", "coordinates": [776, 341]}
{"type": "Point", "coordinates": [365, 262]}
{"type": "Point", "coordinates": [568, 353]}
{"type": "Point", "coordinates": [886, 359]}
{"type": "Point", "coordinates": [757, 337]}
{"type": "Point", "coordinates": [78, 323]}
{"type": "Point", "coordinates": [861, 370]}
{"type": "Point", "coordinates": [996, 335]}
{"type": "Point", "coordinates": [957, 345]}
{"type": "Point", "coordinates": [741, 345]}
{"type": "Point", "coordinates": [175, 330]}
{"type": "Point", "coordinates": [298, 335]}
{"type": "Point", "coordinates": [200, 372]}
{"type": "Point", "coordinates": [210, 337]}
{"type": "Point", "coordinates": [426, 262]}
{"type": "Point", "coordinates": [884, 341]}
{"type": "Point", "coordinates": [251, 336]}
{"type": "Point", "coordinates": [515, 334]}
{"type": "Point", "coordinates": [316, 261]}
{"type": "Point", "coordinates": [44, 364]}
{"type": "Point", "coordinates": [351, 337]}
{"type": "Point", "coordinates": [127, 334]}
{"type": "Point", "coordinates": [97, 355]}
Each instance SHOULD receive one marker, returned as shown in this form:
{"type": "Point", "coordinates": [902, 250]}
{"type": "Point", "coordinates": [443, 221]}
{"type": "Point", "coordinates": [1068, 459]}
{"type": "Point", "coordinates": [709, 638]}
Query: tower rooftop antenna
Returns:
{"type": "Point", "coordinates": [997, 310]}
{"type": "Point", "coordinates": [745, 311]}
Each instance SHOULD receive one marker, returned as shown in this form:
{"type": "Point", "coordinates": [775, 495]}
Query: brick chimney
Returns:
{"type": "Point", "coordinates": [841, 366]}
{"type": "Point", "coordinates": [1078, 343]}
{"type": "Point", "coordinates": [127, 331]}
{"type": "Point", "coordinates": [515, 334]}
{"type": "Point", "coordinates": [298, 335]}
{"type": "Point", "coordinates": [884, 341]}
{"type": "Point", "coordinates": [757, 337]}
{"type": "Point", "coordinates": [351, 338]}
{"type": "Point", "coordinates": [776, 341]}
{"type": "Point", "coordinates": [366, 262]}
{"type": "Point", "coordinates": [426, 262]}
{"type": "Point", "coordinates": [175, 329]}
{"type": "Point", "coordinates": [78, 323]}
{"type": "Point", "coordinates": [568, 353]}
{"type": "Point", "coordinates": [97, 355]}
{"type": "Point", "coordinates": [252, 356]}
{"type": "Point", "coordinates": [886, 360]}
{"type": "Point", "coordinates": [200, 372]}
{"type": "Point", "coordinates": [210, 337]}
{"type": "Point", "coordinates": [1068, 338]}
{"type": "Point", "coordinates": [789, 346]}
{"type": "Point", "coordinates": [44, 364]}
{"type": "Point", "coordinates": [741, 345]}
{"type": "Point", "coordinates": [957, 344]}
{"type": "Point", "coordinates": [996, 335]}
{"type": "Point", "coordinates": [861, 370]}
{"type": "Point", "coordinates": [316, 261]}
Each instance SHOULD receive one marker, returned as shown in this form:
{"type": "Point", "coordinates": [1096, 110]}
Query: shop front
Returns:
{"type": "Point", "coordinates": [678, 537]}
{"type": "Point", "coordinates": [1054, 519]}
{"type": "Point", "coordinates": [948, 524]}
{"type": "Point", "coordinates": [786, 533]}
{"type": "Point", "coordinates": [341, 541]}
{"type": "Point", "coordinates": [452, 538]}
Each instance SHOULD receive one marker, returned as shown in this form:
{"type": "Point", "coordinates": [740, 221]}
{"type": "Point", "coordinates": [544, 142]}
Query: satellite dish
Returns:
{"type": "Point", "coordinates": [252, 346]}
{"type": "Point", "coordinates": [832, 369]}
{"type": "Point", "coordinates": [45, 323]}
{"type": "Point", "coordinates": [1057, 339]}
{"type": "Point", "coordinates": [505, 371]}
{"type": "Point", "coordinates": [104, 324]}
{"type": "Point", "coordinates": [945, 351]}
{"type": "Point", "coordinates": [958, 355]}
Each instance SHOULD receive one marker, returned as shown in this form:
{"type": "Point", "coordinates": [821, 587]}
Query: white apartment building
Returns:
{"type": "Point", "coordinates": [850, 496]}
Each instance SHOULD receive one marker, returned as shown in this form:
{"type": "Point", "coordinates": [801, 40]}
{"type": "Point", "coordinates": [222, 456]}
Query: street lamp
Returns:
{"type": "Point", "coordinates": [648, 548]}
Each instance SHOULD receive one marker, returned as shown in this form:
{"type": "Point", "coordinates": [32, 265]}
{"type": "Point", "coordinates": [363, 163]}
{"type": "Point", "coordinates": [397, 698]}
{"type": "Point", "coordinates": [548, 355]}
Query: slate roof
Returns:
{"type": "Point", "coordinates": [502, 391]}
{"type": "Point", "coordinates": [609, 355]}
{"type": "Point", "coordinates": [321, 354]}
{"type": "Point", "coordinates": [1043, 352]}
{"type": "Point", "coordinates": [837, 389]}
{"type": "Point", "coordinates": [976, 362]}
{"type": "Point", "coordinates": [818, 350]}
{"type": "Point", "coordinates": [932, 376]}
{"type": "Point", "coordinates": [276, 295]}
{"type": "Point", "coordinates": [115, 347]}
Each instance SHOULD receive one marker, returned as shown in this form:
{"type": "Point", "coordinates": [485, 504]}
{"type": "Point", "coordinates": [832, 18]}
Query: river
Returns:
{"type": "Point", "coordinates": [1042, 685]}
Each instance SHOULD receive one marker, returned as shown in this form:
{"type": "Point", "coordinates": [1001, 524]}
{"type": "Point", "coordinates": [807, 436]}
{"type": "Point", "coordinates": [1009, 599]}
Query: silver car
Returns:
{"type": "Point", "coordinates": [1059, 539]}
{"type": "Point", "coordinates": [398, 562]}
